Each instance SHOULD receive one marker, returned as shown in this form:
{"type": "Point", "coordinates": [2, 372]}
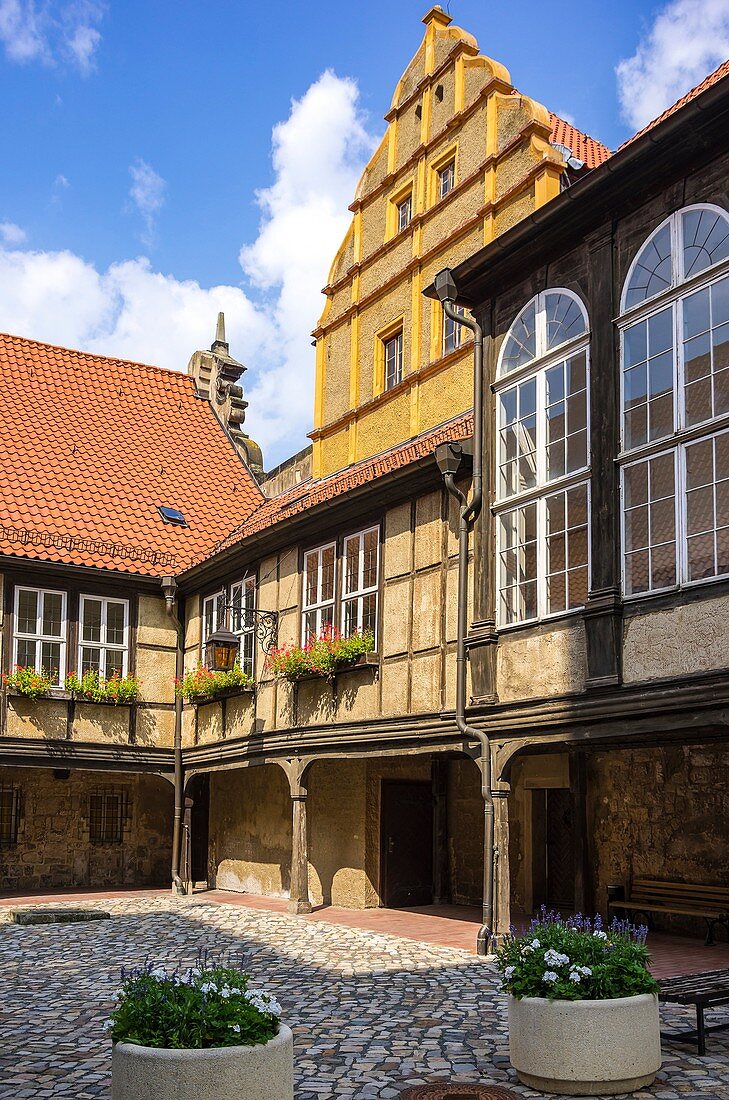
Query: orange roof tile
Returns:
{"type": "Point", "coordinates": [587, 149]}
{"type": "Point", "coordinates": [308, 495]}
{"type": "Point", "coordinates": [90, 446]}
{"type": "Point", "coordinates": [718, 74]}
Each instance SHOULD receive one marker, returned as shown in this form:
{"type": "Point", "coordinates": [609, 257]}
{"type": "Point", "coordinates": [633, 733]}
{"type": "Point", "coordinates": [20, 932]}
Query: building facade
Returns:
{"type": "Point", "coordinates": [137, 523]}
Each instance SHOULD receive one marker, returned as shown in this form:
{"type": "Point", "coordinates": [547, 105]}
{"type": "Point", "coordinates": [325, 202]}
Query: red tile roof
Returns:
{"type": "Point", "coordinates": [308, 495]}
{"type": "Point", "coordinates": [720, 73]}
{"type": "Point", "coordinates": [90, 446]}
{"type": "Point", "coordinates": [587, 149]}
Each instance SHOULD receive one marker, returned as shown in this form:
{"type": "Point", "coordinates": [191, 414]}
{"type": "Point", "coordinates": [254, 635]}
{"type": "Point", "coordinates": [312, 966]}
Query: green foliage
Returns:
{"type": "Point", "coordinates": [322, 656]}
{"type": "Point", "coordinates": [575, 960]}
{"type": "Point", "coordinates": [203, 683]}
{"type": "Point", "coordinates": [26, 681]}
{"type": "Point", "coordinates": [93, 686]}
{"type": "Point", "coordinates": [192, 1009]}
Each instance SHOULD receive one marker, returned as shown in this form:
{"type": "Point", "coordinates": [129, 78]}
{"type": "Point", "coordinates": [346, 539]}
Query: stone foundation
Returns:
{"type": "Point", "coordinates": [53, 848]}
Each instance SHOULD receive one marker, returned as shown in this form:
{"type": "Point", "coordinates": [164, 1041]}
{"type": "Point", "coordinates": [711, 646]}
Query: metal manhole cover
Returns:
{"type": "Point", "coordinates": [458, 1092]}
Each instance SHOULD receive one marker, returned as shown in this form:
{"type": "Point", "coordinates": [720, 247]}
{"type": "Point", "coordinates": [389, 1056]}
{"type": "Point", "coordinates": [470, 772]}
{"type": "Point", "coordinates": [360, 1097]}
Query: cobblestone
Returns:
{"type": "Point", "coordinates": [371, 1013]}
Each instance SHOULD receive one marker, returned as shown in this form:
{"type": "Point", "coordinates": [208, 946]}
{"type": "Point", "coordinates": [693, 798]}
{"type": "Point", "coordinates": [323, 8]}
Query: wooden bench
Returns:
{"type": "Point", "coordinates": [703, 990]}
{"type": "Point", "coordinates": [648, 896]}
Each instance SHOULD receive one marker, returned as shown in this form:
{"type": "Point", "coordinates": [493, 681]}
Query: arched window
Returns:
{"type": "Point", "coordinates": [542, 487]}
{"type": "Point", "coordinates": [675, 397]}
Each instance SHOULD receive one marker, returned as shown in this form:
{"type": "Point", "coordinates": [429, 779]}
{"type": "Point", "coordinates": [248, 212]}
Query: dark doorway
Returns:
{"type": "Point", "coordinates": [406, 829]}
{"type": "Point", "coordinates": [199, 792]}
{"type": "Point", "coordinates": [553, 849]}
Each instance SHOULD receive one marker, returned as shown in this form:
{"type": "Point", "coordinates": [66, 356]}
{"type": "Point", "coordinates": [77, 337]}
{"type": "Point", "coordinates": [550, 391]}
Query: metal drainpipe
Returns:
{"type": "Point", "coordinates": [469, 512]}
{"type": "Point", "coordinates": [169, 587]}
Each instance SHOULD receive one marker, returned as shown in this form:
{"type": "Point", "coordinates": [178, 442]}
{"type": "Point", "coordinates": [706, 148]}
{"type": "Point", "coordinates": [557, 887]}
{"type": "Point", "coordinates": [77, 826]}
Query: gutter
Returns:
{"type": "Point", "coordinates": [169, 588]}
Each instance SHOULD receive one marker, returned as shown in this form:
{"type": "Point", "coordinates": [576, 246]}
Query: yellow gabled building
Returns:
{"type": "Point", "coordinates": [464, 157]}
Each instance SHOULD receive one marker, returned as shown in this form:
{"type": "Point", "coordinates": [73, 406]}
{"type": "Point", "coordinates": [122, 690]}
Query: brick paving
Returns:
{"type": "Point", "coordinates": [371, 1013]}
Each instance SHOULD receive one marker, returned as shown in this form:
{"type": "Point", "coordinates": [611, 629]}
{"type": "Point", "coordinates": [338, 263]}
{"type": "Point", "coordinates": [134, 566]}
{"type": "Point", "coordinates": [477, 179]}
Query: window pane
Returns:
{"type": "Point", "coordinates": [311, 567]}
{"type": "Point", "coordinates": [351, 564]}
{"type": "Point", "coordinates": [564, 318]}
{"type": "Point", "coordinates": [649, 524]}
{"type": "Point", "coordinates": [521, 342]}
{"type": "Point", "coordinates": [350, 624]}
{"type": "Point", "coordinates": [705, 240]}
{"type": "Point", "coordinates": [27, 611]}
{"type": "Point", "coordinates": [90, 659]}
{"type": "Point", "coordinates": [51, 659]}
{"type": "Point", "coordinates": [52, 614]}
{"type": "Point", "coordinates": [369, 613]}
{"type": "Point", "coordinates": [371, 547]}
{"type": "Point", "coordinates": [652, 271]}
{"type": "Point", "coordinates": [310, 630]}
{"type": "Point", "coordinates": [114, 663]}
{"type": "Point", "coordinates": [327, 573]}
{"type": "Point", "coordinates": [91, 625]}
{"type": "Point", "coordinates": [26, 653]}
{"type": "Point", "coordinates": [115, 623]}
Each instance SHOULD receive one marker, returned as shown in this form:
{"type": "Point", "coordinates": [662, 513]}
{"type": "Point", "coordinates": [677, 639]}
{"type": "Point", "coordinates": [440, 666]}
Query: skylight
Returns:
{"type": "Point", "coordinates": [172, 515]}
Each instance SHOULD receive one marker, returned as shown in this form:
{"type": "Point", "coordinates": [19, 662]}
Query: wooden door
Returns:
{"type": "Point", "coordinates": [553, 849]}
{"type": "Point", "coordinates": [406, 830]}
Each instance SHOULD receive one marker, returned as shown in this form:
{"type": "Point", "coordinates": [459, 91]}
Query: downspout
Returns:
{"type": "Point", "coordinates": [469, 512]}
{"type": "Point", "coordinates": [169, 588]}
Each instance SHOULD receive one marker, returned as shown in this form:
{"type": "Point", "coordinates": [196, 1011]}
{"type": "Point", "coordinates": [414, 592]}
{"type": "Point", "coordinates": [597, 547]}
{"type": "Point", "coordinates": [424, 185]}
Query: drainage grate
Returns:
{"type": "Point", "coordinates": [458, 1092]}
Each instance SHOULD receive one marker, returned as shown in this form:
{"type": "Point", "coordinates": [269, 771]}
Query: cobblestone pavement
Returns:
{"type": "Point", "coordinates": [370, 1013]}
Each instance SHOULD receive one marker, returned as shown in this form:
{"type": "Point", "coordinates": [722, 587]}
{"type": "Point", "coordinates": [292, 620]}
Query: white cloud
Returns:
{"type": "Point", "coordinates": [318, 156]}
{"type": "Point", "coordinates": [130, 310]}
{"type": "Point", "coordinates": [687, 40]}
{"type": "Point", "coordinates": [148, 195]}
{"type": "Point", "coordinates": [12, 234]}
{"type": "Point", "coordinates": [51, 31]}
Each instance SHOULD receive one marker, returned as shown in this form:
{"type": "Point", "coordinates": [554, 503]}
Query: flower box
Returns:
{"type": "Point", "coordinates": [226, 693]}
{"type": "Point", "coordinates": [262, 1072]}
{"type": "Point", "coordinates": [323, 658]}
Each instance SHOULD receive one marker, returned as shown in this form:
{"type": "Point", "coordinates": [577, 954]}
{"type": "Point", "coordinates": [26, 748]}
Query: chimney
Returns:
{"type": "Point", "coordinates": [217, 376]}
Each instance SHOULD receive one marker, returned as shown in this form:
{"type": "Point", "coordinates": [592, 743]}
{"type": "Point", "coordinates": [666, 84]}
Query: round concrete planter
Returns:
{"type": "Point", "coordinates": [264, 1072]}
{"type": "Point", "coordinates": [585, 1048]}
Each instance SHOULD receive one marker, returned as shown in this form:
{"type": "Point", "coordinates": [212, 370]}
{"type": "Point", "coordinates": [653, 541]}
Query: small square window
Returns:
{"type": "Point", "coordinates": [393, 360]}
{"type": "Point", "coordinates": [404, 213]}
{"type": "Point", "coordinates": [446, 179]}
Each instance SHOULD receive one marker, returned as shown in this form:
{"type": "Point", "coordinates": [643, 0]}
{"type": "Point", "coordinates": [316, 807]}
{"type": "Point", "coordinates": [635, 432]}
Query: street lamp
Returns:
{"type": "Point", "coordinates": [221, 651]}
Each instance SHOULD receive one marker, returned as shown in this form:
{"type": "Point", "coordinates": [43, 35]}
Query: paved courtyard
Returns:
{"type": "Point", "coordinates": [371, 1013]}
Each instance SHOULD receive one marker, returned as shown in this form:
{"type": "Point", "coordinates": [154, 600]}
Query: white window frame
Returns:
{"type": "Point", "coordinates": [397, 340]}
{"type": "Point", "coordinates": [39, 637]}
{"type": "Point", "coordinates": [247, 633]}
{"type": "Point", "coordinates": [683, 434]}
{"type": "Point", "coordinates": [405, 206]}
{"type": "Point", "coordinates": [102, 644]}
{"type": "Point", "coordinates": [537, 368]}
{"type": "Point", "coordinates": [447, 172]}
{"type": "Point", "coordinates": [361, 591]}
{"type": "Point", "coordinates": [222, 618]}
{"type": "Point", "coordinates": [319, 604]}
{"type": "Point", "coordinates": [457, 333]}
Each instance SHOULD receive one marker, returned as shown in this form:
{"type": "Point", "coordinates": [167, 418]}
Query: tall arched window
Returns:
{"type": "Point", "coordinates": [675, 399]}
{"type": "Point", "coordinates": [542, 460]}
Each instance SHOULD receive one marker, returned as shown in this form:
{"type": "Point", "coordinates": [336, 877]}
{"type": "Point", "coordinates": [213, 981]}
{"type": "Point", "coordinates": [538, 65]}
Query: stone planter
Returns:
{"type": "Point", "coordinates": [585, 1048]}
{"type": "Point", "coordinates": [264, 1072]}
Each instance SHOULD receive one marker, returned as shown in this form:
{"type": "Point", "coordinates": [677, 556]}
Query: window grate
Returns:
{"type": "Point", "coordinates": [108, 811]}
{"type": "Point", "coordinates": [9, 816]}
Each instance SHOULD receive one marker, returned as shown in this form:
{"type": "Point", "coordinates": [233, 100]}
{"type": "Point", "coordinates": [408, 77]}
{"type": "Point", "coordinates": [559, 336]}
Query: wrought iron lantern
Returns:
{"type": "Point", "coordinates": [221, 651]}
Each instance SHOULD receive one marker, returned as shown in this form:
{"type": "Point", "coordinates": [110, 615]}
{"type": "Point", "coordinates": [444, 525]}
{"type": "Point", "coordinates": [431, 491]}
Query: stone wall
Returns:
{"type": "Point", "coordinates": [660, 813]}
{"type": "Point", "coordinates": [53, 847]}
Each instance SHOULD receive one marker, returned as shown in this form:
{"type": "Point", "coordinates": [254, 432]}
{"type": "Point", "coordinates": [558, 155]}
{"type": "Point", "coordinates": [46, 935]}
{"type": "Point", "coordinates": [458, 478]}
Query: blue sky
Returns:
{"type": "Point", "coordinates": [139, 134]}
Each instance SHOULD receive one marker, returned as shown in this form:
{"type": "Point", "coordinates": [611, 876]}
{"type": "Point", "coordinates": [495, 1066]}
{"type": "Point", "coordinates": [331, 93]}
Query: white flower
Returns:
{"type": "Point", "coordinates": [264, 1002]}
{"type": "Point", "coordinates": [108, 1025]}
{"type": "Point", "coordinates": [158, 972]}
{"type": "Point", "coordinates": [600, 935]}
{"type": "Point", "coordinates": [208, 987]}
{"type": "Point", "coordinates": [527, 949]}
{"type": "Point", "coordinates": [585, 970]}
{"type": "Point", "coordinates": [116, 996]}
{"type": "Point", "coordinates": [555, 958]}
{"type": "Point", "coordinates": [549, 976]}
{"type": "Point", "coordinates": [236, 1027]}
{"type": "Point", "coordinates": [225, 992]}
{"type": "Point", "coordinates": [574, 976]}
{"type": "Point", "coordinates": [536, 944]}
{"type": "Point", "coordinates": [509, 971]}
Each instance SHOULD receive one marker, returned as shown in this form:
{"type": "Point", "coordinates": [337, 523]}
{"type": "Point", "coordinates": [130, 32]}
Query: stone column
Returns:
{"type": "Point", "coordinates": [502, 884]}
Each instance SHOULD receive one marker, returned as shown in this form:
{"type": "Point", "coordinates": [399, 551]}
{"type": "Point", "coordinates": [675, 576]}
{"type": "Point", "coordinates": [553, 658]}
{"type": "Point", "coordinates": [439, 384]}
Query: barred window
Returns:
{"type": "Point", "coordinates": [9, 815]}
{"type": "Point", "coordinates": [543, 459]}
{"type": "Point", "coordinates": [104, 636]}
{"type": "Point", "coordinates": [39, 635]}
{"type": "Point", "coordinates": [675, 387]}
{"type": "Point", "coordinates": [107, 814]}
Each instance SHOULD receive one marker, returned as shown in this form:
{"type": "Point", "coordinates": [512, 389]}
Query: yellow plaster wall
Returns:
{"type": "Point", "coordinates": [500, 139]}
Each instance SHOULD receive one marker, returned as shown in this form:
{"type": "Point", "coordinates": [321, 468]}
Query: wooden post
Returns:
{"type": "Point", "coordinates": [502, 885]}
{"type": "Point", "coordinates": [299, 892]}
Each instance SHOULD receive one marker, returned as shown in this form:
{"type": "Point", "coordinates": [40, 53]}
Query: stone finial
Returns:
{"type": "Point", "coordinates": [217, 376]}
{"type": "Point", "coordinates": [437, 15]}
